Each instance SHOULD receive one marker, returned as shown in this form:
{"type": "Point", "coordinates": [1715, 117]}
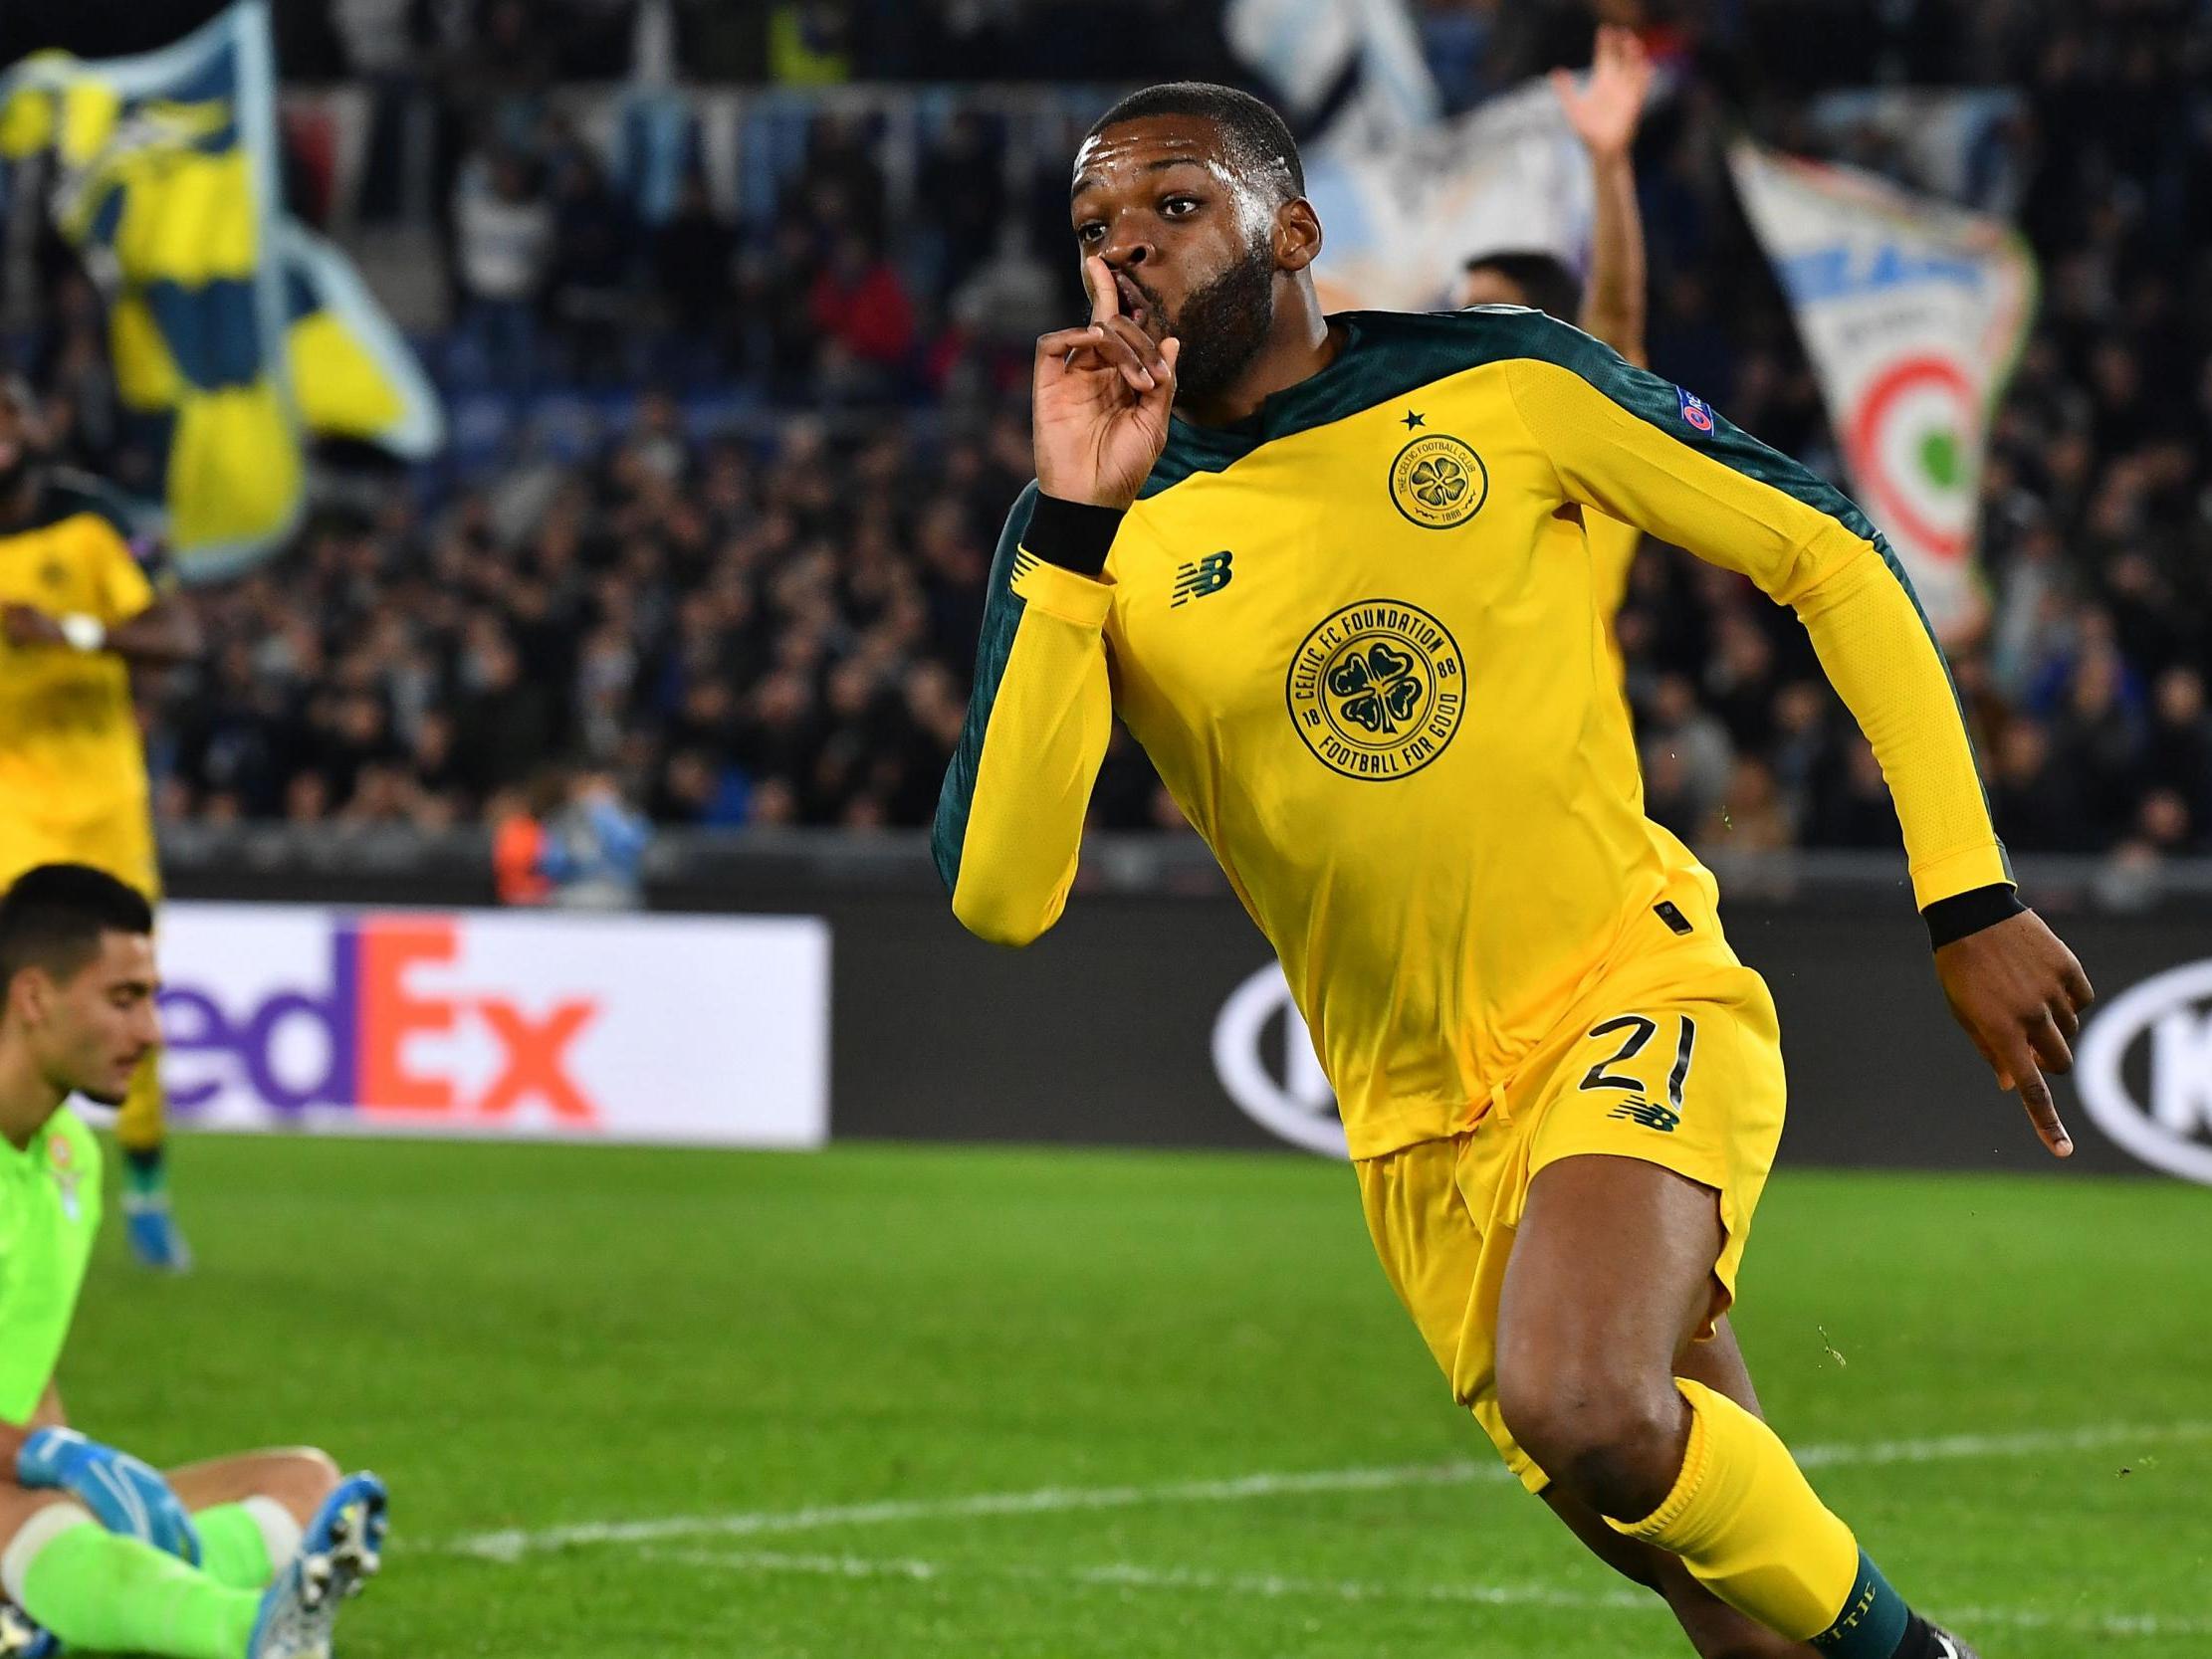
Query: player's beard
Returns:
{"type": "Point", "coordinates": [1224, 325]}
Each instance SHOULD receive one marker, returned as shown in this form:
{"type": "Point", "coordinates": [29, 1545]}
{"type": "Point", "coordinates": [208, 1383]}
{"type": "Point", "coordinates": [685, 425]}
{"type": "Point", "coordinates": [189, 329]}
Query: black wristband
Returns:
{"type": "Point", "coordinates": [1951, 920]}
{"type": "Point", "coordinates": [1072, 534]}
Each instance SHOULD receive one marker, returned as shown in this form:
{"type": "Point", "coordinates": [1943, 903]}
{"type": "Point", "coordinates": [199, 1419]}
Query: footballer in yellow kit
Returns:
{"type": "Point", "coordinates": [1333, 574]}
{"type": "Point", "coordinates": [77, 610]}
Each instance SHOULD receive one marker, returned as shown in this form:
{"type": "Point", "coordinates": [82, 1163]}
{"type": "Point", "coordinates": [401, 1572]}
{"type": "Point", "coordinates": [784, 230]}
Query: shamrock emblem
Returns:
{"type": "Point", "coordinates": [1439, 482]}
{"type": "Point", "coordinates": [1379, 687]}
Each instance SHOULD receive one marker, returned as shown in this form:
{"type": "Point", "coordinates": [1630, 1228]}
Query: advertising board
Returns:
{"type": "Point", "coordinates": [652, 1028]}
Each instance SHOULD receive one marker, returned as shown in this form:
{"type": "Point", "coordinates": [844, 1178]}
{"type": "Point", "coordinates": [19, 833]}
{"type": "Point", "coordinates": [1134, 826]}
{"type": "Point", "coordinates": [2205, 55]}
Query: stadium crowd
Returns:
{"type": "Point", "coordinates": [773, 622]}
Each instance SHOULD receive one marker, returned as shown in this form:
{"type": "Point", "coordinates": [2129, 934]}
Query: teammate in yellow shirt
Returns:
{"type": "Point", "coordinates": [1342, 595]}
{"type": "Point", "coordinates": [77, 611]}
{"type": "Point", "coordinates": [1603, 112]}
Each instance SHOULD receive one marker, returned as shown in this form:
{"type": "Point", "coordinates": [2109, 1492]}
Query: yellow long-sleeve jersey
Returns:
{"type": "Point", "coordinates": [69, 747]}
{"type": "Point", "coordinates": [1358, 635]}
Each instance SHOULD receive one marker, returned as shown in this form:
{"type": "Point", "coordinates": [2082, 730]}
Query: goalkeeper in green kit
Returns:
{"type": "Point", "coordinates": [243, 1558]}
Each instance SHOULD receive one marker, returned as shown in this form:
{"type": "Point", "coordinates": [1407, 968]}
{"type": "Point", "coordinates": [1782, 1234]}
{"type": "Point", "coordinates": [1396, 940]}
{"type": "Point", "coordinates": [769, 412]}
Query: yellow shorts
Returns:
{"type": "Point", "coordinates": [120, 843]}
{"type": "Point", "coordinates": [1692, 1085]}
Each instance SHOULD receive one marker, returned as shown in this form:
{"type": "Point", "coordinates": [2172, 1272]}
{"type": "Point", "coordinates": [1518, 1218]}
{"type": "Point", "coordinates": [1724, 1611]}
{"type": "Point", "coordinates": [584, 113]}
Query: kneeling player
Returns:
{"type": "Point", "coordinates": [244, 1558]}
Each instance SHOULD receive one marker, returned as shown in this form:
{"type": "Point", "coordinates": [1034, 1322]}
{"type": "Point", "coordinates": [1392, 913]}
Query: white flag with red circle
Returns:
{"type": "Point", "coordinates": [1913, 313]}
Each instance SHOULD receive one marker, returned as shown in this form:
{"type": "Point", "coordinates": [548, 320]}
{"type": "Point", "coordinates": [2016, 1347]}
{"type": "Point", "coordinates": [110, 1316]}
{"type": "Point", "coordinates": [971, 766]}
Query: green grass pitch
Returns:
{"type": "Point", "coordinates": [889, 1403]}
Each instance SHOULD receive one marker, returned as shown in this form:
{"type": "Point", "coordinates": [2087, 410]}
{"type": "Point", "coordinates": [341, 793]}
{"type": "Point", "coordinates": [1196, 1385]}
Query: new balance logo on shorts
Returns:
{"type": "Point", "coordinates": [1650, 1113]}
{"type": "Point", "coordinates": [1202, 576]}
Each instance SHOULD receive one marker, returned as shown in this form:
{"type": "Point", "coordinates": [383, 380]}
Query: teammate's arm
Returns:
{"type": "Point", "coordinates": [1637, 449]}
{"type": "Point", "coordinates": [134, 619]}
{"type": "Point", "coordinates": [1603, 112]}
{"type": "Point", "coordinates": [1010, 819]}
{"type": "Point", "coordinates": [166, 632]}
{"type": "Point", "coordinates": [163, 634]}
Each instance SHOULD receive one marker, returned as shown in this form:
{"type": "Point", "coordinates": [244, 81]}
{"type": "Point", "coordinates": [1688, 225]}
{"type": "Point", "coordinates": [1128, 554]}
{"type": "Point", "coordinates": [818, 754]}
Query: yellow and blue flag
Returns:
{"type": "Point", "coordinates": [351, 372]}
{"type": "Point", "coordinates": [234, 333]}
{"type": "Point", "coordinates": [167, 185]}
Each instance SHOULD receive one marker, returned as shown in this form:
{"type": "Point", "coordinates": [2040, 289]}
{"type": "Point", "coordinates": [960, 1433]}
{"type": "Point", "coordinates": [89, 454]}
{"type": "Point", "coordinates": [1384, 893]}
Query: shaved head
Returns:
{"type": "Point", "coordinates": [1254, 143]}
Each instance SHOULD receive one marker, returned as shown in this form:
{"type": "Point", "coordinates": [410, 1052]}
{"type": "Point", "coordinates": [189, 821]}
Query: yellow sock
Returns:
{"type": "Point", "coordinates": [1748, 1526]}
{"type": "Point", "coordinates": [140, 1127]}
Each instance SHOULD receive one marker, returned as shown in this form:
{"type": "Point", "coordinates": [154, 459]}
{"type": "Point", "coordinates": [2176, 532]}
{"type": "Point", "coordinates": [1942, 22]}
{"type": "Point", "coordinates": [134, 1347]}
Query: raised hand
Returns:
{"type": "Point", "coordinates": [1100, 400]}
{"type": "Point", "coordinates": [1604, 109]}
{"type": "Point", "coordinates": [2018, 993]}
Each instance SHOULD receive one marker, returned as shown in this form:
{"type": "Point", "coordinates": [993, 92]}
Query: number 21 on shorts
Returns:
{"type": "Point", "coordinates": [1635, 1033]}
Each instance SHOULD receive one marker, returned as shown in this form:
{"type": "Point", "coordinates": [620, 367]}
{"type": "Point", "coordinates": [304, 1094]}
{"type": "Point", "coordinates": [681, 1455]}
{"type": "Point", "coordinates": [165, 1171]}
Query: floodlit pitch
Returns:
{"type": "Point", "coordinates": [944, 1404]}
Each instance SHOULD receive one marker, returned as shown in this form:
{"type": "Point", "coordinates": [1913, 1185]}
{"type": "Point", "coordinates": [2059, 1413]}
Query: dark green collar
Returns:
{"type": "Point", "coordinates": [1386, 354]}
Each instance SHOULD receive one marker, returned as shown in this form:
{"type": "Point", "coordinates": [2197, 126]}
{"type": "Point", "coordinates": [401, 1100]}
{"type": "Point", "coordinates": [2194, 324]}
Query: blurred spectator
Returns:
{"type": "Point", "coordinates": [962, 176]}
{"type": "Point", "coordinates": [2041, 810]}
{"type": "Point", "coordinates": [1854, 808]}
{"type": "Point", "coordinates": [692, 254]}
{"type": "Point", "coordinates": [2097, 740]}
{"type": "Point", "coordinates": [860, 309]}
{"type": "Point", "coordinates": [595, 846]}
{"type": "Point", "coordinates": [518, 820]}
{"type": "Point", "coordinates": [2178, 757]}
{"type": "Point", "coordinates": [1753, 818]}
{"type": "Point", "coordinates": [503, 724]}
{"type": "Point", "coordinates": [1687, 759]}
{"type": "Point", "coordinates": [503, 231]}
{"type": "Point", "coordinates": [507, 56]}
{"type": "Point", "coordinates": [566, 838]}
{"type": "Point", "coordinates": [840, 187]}
{"type": "Point", "coordinates": [593, 243]}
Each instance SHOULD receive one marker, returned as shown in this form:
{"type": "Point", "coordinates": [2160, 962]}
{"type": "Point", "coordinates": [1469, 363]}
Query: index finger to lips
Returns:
{"type": "Point", "coordinates": [1105, 298]}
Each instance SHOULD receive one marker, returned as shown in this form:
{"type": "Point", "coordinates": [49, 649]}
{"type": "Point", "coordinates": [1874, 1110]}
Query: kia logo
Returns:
{"type": "Point", "coordinates": [2170, 1125]}
{"type": "Point", "coordinates": [1264, 1059]}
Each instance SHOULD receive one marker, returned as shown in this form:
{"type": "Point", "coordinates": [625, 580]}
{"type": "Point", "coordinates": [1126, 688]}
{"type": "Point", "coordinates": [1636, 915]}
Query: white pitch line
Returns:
{"type": "Point", "coordinates": [1270, 1585]}
{"type": "Point", "coordinates": [2028, 1443]}
{"type": "Point", "coordinates": [514, 1544]}
{"type": "Point", "coordinates": [1130, 1575]}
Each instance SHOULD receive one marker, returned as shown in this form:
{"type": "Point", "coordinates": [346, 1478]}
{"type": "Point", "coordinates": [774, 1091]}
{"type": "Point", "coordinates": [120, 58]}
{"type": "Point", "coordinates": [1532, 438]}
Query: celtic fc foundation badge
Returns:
{"type": "Point", "coordinates": [1377, 689]}
{"type": "Point", "coordinates": [1438, 482]}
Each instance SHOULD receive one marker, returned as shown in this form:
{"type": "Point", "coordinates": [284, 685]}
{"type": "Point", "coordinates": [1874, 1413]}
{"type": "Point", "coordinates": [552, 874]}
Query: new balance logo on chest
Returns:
{"type": "Point", "coordinates": [1202, 576]}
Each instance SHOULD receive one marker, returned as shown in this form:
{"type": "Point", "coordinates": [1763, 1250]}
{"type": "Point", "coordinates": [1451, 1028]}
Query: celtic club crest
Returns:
{"type": "Point", "coordinates": [1438, 482]}
{"type": "Point", "coordinates": [1377, 689]}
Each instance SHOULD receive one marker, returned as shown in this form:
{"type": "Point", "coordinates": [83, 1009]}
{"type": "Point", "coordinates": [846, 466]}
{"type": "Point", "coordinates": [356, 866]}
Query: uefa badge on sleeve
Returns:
{"type": "Point", "coordinates": [1694, 409]}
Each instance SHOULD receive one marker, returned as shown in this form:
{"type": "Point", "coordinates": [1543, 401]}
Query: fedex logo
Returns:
{"type": "Point", "coordinates": [690, 1030]}
{"type": "Point", "coordinates": [398, 1023]}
